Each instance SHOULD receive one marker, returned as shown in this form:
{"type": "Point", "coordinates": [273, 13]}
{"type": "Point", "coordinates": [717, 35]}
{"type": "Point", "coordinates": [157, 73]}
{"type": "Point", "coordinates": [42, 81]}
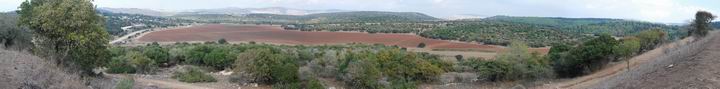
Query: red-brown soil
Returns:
{"type": "Point", "coordinates": [275, 34]}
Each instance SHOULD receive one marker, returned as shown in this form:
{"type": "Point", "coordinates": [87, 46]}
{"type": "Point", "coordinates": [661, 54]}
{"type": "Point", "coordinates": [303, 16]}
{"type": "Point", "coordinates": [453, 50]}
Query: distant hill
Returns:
{"type": "Point", "coordinates": [716, 25]}
{"type": "Point", "coordinates": [551, 21]}
{"type": "Point", "coordinates": [226, 11]}
{"type": "Point", "coordinates": [465, 17]}
{"type": "Point", "coordinates": [137, 11]}
{"type": "Point", "coordinates": [543, 31]}
{"type": "Point", "coordinates": [336, 17]}
{"type": "Point", "coordinates": [269, 10]}
{"type": "Point", "coordinates": [618, 27]}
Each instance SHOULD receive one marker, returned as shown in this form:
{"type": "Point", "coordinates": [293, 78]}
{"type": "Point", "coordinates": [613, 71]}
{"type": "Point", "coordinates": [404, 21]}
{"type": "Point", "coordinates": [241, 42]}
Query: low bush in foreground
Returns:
{"type": "Point", "coordinates": [126, 83]}
{"type": "Point", "coordinates": [193, 75]}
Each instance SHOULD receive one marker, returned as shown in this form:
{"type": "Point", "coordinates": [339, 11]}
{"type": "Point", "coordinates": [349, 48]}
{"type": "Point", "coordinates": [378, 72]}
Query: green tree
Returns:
{"type": "Point", "coordinates": [588, 57]}
{"type": "Point", "coordinates": [67, 30]}
{"type": "Point", "coordinates": [628, 46]}
{"type": "Point", "coordinates": [701, 24]}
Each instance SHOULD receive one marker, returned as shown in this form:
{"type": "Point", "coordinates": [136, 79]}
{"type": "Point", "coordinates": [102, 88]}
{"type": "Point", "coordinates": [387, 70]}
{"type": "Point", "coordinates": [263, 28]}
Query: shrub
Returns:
{"type": "Point", "coordinates": [459, 58]}
{"type": "Point", "coordinates": [591, 55]}
{"type": "Point", "coordinates": [649, 39]}
{"type": "Point", "coordinates": [125, 83]}
{"type": "Point", "coordinates": [222, 41]}
{"type": "Point", "coordinates": [515, 64]}
{"type": "Point", "coordinates": [179, 54]}
{"type": "Point", "coordinates": [314, 84]}
{"type": "Point", "coordinates": [218, 59]}
{"type": "Point", "coordinates": [120, 65]}
{"type": "Point", "coordinates": [362, 75]}
{"type": "Point", "coordinates": [326, 66]}
{"type": "Point", "coordinates": [140, 62]}
{"type": "Point", "coordinates": [193, 75]}
{"type": "Point", "coordinates": [267, 66]}
{"type": "Point", "coordinates": [158, 54]}
{"type": "Point", "coordinates": [421, 45]}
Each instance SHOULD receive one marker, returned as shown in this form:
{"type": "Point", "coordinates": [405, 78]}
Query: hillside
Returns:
{"type": "Point", "coordinates": [137, 11]}
{"type": "Point", "coordinates": [618, 27]}
{"type": "Point", "coordinates": [337, 17]}
{"type": "Point", "coordinates": [268, 10]}
{"type": "Point", "coordinates": [24, 71]}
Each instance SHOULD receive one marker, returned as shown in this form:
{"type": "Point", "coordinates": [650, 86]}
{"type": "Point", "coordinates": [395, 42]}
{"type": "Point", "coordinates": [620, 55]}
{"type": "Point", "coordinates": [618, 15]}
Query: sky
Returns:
{"type": "Point", "coordinates": [664, 11]}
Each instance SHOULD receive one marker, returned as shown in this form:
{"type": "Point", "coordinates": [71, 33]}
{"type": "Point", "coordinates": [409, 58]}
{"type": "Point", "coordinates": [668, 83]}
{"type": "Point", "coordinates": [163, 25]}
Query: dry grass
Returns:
{"type": "Point", "coordinates": [23, 71]}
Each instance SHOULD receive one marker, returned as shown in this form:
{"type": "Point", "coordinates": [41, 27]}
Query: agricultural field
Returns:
{"type": "Point", "coordinates": [276, 35]}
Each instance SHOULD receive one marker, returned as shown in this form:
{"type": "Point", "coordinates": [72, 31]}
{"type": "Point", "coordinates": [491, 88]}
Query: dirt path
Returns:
{"type": "Point", "coordinates": [612, 70]}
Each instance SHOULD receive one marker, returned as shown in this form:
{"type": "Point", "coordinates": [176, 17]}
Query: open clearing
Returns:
{"type": "Point", "coordinates": [276, 35]}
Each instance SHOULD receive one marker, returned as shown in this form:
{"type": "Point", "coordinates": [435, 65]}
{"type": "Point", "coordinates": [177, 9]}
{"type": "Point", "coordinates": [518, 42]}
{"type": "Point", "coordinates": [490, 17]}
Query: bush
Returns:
{"type": "Point", "coordinates": [314, 84]}
{"type": "Point", "coordinates": [126, 83]}
{"type": "Point", "coordinates": [326, 66]}
{"type": "Point", "coordinates": [158, 54]}
{"type": "Point", "coordinates": [362, 75]}
{"type": "Point", "coordinates": [140, 62]}
{"type": "Point", "coordinates": [516, 64]}
{"type": "Point", "coordinates": [267, 67]}
{"type": "Point", "coordinates": [222, 41]}
{"type": "Point", "coordinates": [459, 58]}
{"type": "Point", "coordinates": [649, 39]}
{"type": "Point", "coordinates": [590, 56]}
{"type": "Point", "coordinates": [120, 65]}
{"type": "Point", "coordinates": [218, 59]}
{"type": "Point", "coordinates": [193, 75]}
{"type": "Point", "coordinates": [421, 45]}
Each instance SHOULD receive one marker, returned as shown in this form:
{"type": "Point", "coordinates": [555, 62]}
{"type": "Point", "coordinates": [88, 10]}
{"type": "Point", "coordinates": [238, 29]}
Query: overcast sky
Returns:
{"type": "Point", "coordinates": [667, 11]}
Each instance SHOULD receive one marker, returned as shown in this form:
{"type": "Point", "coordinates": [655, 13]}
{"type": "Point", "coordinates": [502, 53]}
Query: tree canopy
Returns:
{"type": "Point", "coordinates": [68, 30]}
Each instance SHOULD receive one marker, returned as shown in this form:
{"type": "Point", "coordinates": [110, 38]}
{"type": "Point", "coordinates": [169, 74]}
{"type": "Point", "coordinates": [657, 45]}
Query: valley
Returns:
{"type": "Point", "coordinates": [276, 35]}
{"type": "Point", "coordinates": [317, 44]}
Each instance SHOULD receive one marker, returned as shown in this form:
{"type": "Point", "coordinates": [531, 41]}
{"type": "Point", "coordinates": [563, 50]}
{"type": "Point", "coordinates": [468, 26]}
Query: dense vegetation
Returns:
{"type": "Point", "coordinates": [501, 30]}
{"type": "Point", "coordinates": [361, 66]}
{"type": "Point", "coordinates": [516, 64]}
{"type": "Point", "coordinates": [502, 33]}
{"type": "Point", "coordinates": [385, 27]}
{"type": "Point", "coordinates": [571, 61]}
